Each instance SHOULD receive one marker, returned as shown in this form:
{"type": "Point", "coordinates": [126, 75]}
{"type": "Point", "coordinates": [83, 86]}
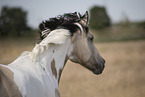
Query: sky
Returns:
{"type": "Point", "coordinates": [39, 10]}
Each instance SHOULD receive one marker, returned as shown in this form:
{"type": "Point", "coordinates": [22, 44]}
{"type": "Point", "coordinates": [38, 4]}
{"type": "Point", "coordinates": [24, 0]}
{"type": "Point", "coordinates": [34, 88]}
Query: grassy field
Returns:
{"type": "Point", "coordinates": [119, 33]}
{"type": "Point", "coordinates": [124, 75]}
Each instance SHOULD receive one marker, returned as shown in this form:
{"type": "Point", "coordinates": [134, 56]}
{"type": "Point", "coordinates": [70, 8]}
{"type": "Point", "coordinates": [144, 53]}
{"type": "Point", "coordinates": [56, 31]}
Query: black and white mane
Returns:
{"type": "Point", "coordinates": [65, 21]}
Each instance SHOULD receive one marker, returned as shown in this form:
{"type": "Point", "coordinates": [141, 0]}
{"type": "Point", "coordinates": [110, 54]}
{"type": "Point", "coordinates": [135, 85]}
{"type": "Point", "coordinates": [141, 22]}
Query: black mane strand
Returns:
{"type": "Point", "coordinates": [65, 21]}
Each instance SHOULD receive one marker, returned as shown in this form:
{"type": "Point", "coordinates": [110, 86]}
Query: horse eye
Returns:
{"type": "Point", "coordinates": [92, 38]}
{"type": "Point", "coordinates": [87, 29]}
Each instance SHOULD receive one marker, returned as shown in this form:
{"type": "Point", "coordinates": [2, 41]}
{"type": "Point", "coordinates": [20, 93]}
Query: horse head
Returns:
{"type": "Point", "coordinates": [82, 49]}
{"type": "Point", "coordinates": [84, 52]}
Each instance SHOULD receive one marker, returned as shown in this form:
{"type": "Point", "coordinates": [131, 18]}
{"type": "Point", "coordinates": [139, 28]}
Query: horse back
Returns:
{"type": "Point", "coordinates": [8, 87]}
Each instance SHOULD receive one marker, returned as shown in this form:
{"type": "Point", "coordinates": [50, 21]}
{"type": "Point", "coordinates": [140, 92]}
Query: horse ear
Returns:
{"type": "Point", "coordinates": [84, 19]}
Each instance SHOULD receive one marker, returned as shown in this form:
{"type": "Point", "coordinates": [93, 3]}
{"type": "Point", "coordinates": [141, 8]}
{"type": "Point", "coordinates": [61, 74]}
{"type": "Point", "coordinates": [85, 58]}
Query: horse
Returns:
{"type": "Point", "coordinates": [37, 73]}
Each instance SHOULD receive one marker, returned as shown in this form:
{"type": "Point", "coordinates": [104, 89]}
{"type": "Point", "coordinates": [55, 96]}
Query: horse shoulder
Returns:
{"type": "Point", "coordinates": [8, 87]}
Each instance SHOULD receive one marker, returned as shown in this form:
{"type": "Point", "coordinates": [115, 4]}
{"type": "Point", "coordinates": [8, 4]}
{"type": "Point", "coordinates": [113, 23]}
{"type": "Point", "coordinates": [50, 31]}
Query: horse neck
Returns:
{"type": "Point", "coordinates": [54, 58]}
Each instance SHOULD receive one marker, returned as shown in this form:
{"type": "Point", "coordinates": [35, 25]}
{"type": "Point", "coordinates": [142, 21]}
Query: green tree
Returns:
{"type": "Point", "coordinates": [14, 21]}
{"type": "Point", "coordinates": [99, 18]}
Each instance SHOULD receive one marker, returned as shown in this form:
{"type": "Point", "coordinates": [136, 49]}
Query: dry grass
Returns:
{"type": "Point", "coordinates": [119, 33]}
{"type": "Point", "coordinates": [124, 75]}
{"type": "Point", "coordinates": [11, 48]}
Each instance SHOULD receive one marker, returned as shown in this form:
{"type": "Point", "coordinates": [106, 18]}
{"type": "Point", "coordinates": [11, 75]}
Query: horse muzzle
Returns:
{"type": "Point", "coordinates": [98, 68]}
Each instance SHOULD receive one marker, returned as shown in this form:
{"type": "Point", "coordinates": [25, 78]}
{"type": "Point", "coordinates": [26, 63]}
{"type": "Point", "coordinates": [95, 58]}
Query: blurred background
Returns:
{"type": "Point", "coordinates": [119, 30]}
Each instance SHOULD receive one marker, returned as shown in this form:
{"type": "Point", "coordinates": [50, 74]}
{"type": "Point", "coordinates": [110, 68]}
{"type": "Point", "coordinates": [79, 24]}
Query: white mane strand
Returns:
{"type": "Point", "coordinates": [58, 37]}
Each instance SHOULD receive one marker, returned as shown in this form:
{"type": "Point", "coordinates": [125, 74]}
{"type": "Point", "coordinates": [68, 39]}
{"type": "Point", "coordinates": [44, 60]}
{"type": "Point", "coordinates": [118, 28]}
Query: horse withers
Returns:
{"type": "Point", "coordinates": [37, 73]}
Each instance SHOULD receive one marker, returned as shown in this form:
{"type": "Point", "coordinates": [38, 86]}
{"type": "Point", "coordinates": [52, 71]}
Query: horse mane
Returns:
{"type": "Point", "coordinates": [57, 37]}
{"type": "Point", "coordinates": [55, 31]}
{"type": "Point", "coordinates": [65, 21]}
